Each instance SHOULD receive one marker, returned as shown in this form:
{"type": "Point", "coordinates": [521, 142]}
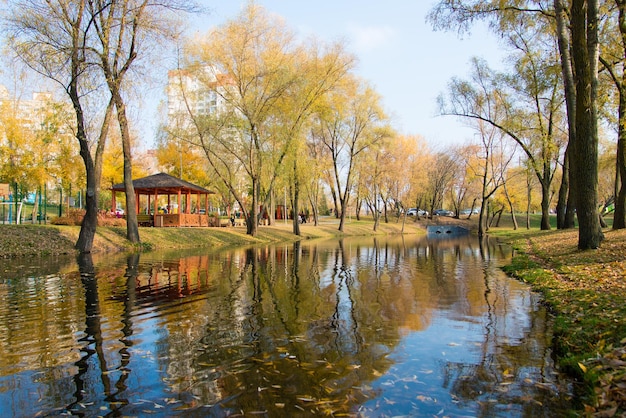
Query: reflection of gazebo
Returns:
{"type": "Point", "coordinates": [185, 211]}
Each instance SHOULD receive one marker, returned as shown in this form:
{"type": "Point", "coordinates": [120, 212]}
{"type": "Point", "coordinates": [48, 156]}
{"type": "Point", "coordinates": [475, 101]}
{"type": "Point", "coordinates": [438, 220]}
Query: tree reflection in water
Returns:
{"type": "Point", "coordinates": [359, 327]}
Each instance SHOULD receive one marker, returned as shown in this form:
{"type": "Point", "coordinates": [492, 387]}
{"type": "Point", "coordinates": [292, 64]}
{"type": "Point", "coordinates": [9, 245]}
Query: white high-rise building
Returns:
{"type": "Point", "coordinates": [194, 94]}
{"type": "Point", "coordinates": [29, 112]}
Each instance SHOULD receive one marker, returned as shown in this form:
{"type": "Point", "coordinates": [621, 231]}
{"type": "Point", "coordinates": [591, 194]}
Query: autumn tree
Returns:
{"type": "Point", "coordinates": [525, 108]}
{"type": "Point", "coordinates": [50, 37]}
{"type": "Point", "coordinates": [577, 40]}
{"type": "Point", "coordinates": [467, 184]}
{"type": "Point", "coordinates": [351, 121]}
{"type": "Point", "coordinates": [405, 173]}
{"type": "Point", "coordinates": [316, 173]}
{"type": "Point", "coordinates": [418, 175]}
{"type": "Point", "coordinates": [52, 156]}
{"type": "Point", "coordinates": [494, 159]}
{"type": "Point", "coordinates": [267, 84]}
{"type": "Point", "coordinates": [15, 154]}
{"type": "Point", "coordinates": [584, 178]}
{"type": "Point", "coordinates": [441, 172]}
{"type": "Point", "coordinates": [125, 31]}
{"type": "Point", "coordinates": [58, 39]}
{"type": "Point", "coordinates": [373, 177]}
{"type": "Point", "coordinates": [613, 59]}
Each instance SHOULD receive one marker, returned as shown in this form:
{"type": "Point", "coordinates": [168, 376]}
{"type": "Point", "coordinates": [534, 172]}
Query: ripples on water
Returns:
{"type": "Point", "coordinates": [363, 327]}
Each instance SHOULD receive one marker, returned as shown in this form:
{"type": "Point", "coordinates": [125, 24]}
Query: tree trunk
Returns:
{"type": "Point", "coordinates": [104, 132]}
{"type": "Point", "coordinates": [132, 229]}
{"type": "Point", "coordinates": [619, 215]}
{"type": "Point", "coordinates": [34, 213]}
{"type": "Point", "coordinates": [296, 199]}
{"type": "Point", "coordinates": [584, 167]}
{"type": "Point", "coordinates": [90, 220]}
{"type": "Point", "coordinates": [569, 85]}
{"type": "Point", "coordinates": [253, 216]}
{"type": "Point", "coordinates": [343, 210]}
{"type": "Point", "coordinates": [561, 206]}
{"type": "Point", "coordinates": [545, 206]}
{"type": "Point", "coordinates": [511, 207]}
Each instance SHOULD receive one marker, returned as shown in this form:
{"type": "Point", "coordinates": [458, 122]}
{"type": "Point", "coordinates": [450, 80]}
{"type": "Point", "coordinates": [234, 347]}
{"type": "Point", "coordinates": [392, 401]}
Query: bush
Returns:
{"type": "Point", "coordinates": [108, 220]}
{"type": "Point", "coordinates": [71, 217]}
{"type": "Point", "coordinates": [75, 217]}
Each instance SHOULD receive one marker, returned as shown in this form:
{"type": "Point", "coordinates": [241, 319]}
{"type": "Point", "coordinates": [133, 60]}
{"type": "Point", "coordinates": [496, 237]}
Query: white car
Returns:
{"type": "Point", "coordinates": [415, 211]}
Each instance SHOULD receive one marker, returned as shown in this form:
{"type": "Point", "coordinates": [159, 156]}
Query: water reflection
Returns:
{"type": "Point", "coordinates": [356, 327]}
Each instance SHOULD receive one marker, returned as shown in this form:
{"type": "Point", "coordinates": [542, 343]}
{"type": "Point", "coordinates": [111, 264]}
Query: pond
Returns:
{"type": "Point", "coordinates": [359, 327]}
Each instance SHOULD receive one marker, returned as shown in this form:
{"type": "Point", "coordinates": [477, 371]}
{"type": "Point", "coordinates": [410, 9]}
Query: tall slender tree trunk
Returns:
{"type": "Point", "coordinates": [561, 206]}
{"type": "Point", "coordinates": [565, 209]}
{"type": "Point", "coordinates": [342, 212]}
{"type": "Point", "coordinates": [132, 228]}
{"type": "Point", "coordinates": [104, 132]}
{"type": "Point", "coordinates": [545, 205]}
{"type": "Point", "coordinates": [584, 23]}
{"type": "Point", "coordinates": [89, 224]}
{"type": "Point", "coordinates": [511, 207]}
{"type": "Point", "coordinates": [296, 198]}
{"type": "Point", "coordinates": [253, 217]}
{"type": "Point", "coordinates": [619, 216]}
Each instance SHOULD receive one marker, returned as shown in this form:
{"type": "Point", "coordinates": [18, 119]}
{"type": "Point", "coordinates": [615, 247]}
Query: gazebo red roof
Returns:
{"type": "Point", "coordinates": [162, 183]}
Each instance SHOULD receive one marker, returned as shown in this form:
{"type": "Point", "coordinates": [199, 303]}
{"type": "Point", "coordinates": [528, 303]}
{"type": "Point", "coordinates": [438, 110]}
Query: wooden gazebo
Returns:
{"type": "Point", "coordinates": [183, 211]}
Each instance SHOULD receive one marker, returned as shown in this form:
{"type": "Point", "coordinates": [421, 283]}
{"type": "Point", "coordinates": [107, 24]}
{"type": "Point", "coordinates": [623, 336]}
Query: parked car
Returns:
{"type": "Point", "coordinates": [415, 212]}
{"type": "Point", "coordinates": [466, 212]}
{"type": "Point", "coordinates": [443, 212]}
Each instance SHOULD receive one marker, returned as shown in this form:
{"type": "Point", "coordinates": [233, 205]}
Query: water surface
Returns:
{"type": "Point", "coordinates": [363, 327]}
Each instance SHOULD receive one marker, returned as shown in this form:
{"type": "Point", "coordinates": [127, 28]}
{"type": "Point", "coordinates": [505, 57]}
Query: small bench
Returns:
{"type": "Point", "coordinates": [144, 219]}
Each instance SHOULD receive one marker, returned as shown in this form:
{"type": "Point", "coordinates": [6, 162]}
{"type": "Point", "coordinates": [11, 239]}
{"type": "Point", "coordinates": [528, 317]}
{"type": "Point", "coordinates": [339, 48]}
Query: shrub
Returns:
{"type": "Point", "coordinates": [72, 216]}
{"type": "Point", "coordinates": [75, 217]}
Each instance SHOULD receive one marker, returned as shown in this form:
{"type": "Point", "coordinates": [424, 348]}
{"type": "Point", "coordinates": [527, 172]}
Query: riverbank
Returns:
{"type": "Point", "coordinates": [586, 290]}
{"type": "Point", "coordinates": [43, 240]}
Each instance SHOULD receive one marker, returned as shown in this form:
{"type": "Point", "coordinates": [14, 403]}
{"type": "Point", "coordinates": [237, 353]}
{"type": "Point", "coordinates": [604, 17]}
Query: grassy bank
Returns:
{"type": "Point", "coordinates": [41, 240]}
{"type": "Point", "coordinates": [586, 290]}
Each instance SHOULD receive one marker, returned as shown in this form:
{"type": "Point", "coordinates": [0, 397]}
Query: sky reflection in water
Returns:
{"type": "Point", "coordinates": [365, 327]}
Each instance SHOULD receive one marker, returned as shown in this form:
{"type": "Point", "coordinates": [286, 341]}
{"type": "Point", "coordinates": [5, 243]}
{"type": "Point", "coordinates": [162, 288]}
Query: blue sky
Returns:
{"type": "Point", "coordinates": [407, 62]}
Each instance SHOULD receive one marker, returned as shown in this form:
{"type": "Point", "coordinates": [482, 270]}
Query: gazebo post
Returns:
{"type": "Point", "coordinates": [155, 211]}
{"type": "Point", "coordinates": [113, 203]}
{"type": "Point", "coordinates": [156, 202]}
{"type": "Point", "coordinates": [180, 208]}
